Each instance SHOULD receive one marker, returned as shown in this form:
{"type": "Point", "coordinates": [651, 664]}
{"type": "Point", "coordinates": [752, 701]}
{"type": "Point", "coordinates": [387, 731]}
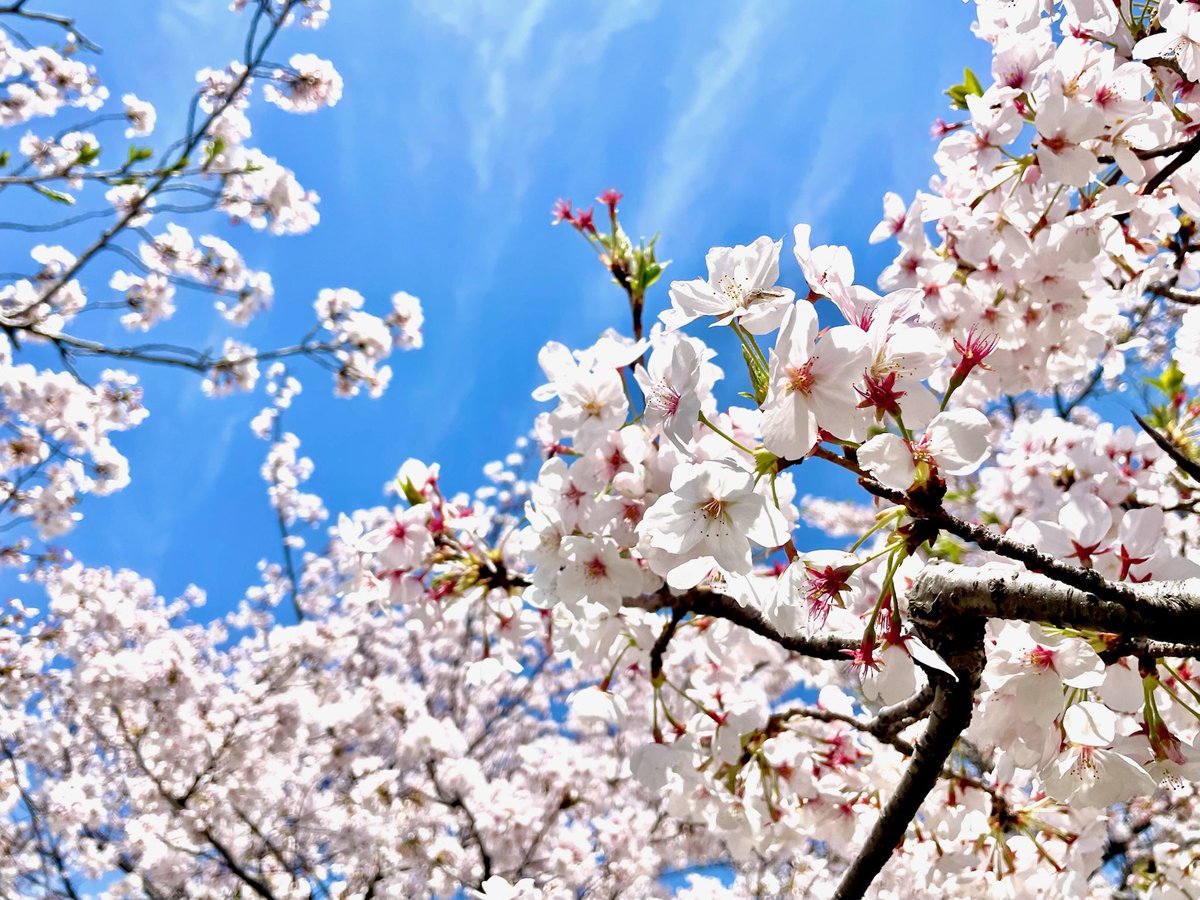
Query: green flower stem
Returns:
{"type": "Point", "coordinates": [704, 420]}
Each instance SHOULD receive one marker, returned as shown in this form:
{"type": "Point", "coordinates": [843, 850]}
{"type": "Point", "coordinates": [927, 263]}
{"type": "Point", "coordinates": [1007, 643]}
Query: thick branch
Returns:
{"type": "Point", "coordinates": [1187, 298]}
{"type": "Point", "coordinates": [1087, 580]}
{"type": "Point", "coordinates": [1159, 611]}
{"type": "Point", "coordinates": [961, 644]}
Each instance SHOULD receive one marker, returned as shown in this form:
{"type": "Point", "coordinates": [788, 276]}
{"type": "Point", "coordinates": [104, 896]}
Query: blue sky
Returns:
{"type": "Point", "coordinates": [461, 123]}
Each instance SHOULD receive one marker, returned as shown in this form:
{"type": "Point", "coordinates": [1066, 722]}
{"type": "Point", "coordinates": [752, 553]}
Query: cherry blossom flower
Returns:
{"type": "Point", "coordinates": [141, 116]}
{"type": "Point", "coordinates": [1086, 772]}
{"type": "Point", "coordinates": [712, 511]}
{"type": "Point", "coordinates": [811, 384]}
{"type": "Point", "coordinates": [403, 673]}
{"type": "Point", "coordinates": [1179, 40]}
{"type": "Point", "coordinates": [671, 386]}
{"type": "Point", "coordinates": [406, 321]}
{"type": "Point", "coordinates": [595, 570]}
{"type": "Point", "coordinates": [1081, 532]}
{"type": "Point", "coordinates": [741, 287]}
{"type": "Point", "coordinates": [1063, 128]}
{"type": "Point", "coordinates": [308, 83]}
{"type": "Point", "coordinates": [591, 400]}
{"type": "Point", "coordinates": [956, 442]}
{"type": "Point", "coordinates": [895, 213]}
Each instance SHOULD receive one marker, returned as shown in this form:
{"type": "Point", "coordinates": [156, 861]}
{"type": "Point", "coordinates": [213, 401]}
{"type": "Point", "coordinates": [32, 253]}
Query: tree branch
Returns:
{"type": "Point", "coordinates": [1187, 152]}
{"type": "Point", "coordinates": [255, 884]}
{"type": "Point", "coordinates": [455, 801]}
{"type": "Point", "coordinates": [1087, 580]}
{"type": "Point", "coordinates": [1160, 611]}
{"type": "Point", "coordinates": [891, 719]}
{"type": "Point", "coordinates": [67, 24]}
{"type": "Point", "coordinates": [189, 144]}
{"type": "Point", "coordinates": [1187, 298]}
{"type": "Point", "coordinates": [961, 644]}
{"type": "Point", "coordinates": [703, 602]}
{"type": "Point", "coordinates": [1164, 443]}
{"type": "Point", "coordinates": [660, 645]}
{"type": "Point", "coordinates": [959, 641]}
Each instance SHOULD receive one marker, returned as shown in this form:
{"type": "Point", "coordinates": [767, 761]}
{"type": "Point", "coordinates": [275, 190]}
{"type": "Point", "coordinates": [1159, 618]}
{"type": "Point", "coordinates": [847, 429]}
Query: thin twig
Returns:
{"type": "Point", "coordinates": [960, 642]}
{"type": "Point", "coordinates": [190, 143]}
{"type": "Point", "coordinates": [1187, 151]}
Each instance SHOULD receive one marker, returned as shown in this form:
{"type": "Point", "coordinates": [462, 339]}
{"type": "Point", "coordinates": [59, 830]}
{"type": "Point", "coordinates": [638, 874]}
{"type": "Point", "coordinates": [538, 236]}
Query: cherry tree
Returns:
{"type": "Point", "coordinates": [616, 669]}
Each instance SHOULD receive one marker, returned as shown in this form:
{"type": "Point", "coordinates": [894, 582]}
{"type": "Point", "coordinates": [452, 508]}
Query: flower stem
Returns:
{"type": "Point", "coordinates": [704, 420]}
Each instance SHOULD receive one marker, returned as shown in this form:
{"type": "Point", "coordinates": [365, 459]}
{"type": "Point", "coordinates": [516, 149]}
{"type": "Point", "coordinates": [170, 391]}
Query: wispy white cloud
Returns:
{"type": "Point", "coordinates": [519, 78]}
{"type": "Point", "coordinates": [500, 62]}
{"type": "Point", "coordinates": [710, 123]}
{"type": "Point", "coordinates": [830, 166]}
{"type": "Point", "coordinates": [175, 18]}
{"type": "Point", "coordinates": [517, 81]}
{"type": "Point", "coordinates": [189, 34]}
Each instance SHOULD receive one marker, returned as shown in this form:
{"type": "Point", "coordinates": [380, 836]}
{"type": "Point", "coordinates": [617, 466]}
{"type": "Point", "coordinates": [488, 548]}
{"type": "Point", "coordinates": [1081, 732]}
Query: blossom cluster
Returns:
{"type": "Point", "coordinates": [1062, 242]}
{"type": "Point", "coordinates": [40, 81]}
{"type": "Point", "coordinates": [102, 165]}
{"type": "Point", "coordinates": [621, 658]}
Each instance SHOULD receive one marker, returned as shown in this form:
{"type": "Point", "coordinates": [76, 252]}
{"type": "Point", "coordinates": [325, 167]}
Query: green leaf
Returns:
{"type": "Point", "coordinates": [54, 195]}
{"type": "Point", "coordinates": [758, 376]}
{"type": "Point", "coordinates": [410, 492]}
{"type": "Point", "coordinates": [4, 157]}
{"type": "Point", "coordinates": [213, 150]}
{"type": "Point", "coordinates": [88, 154]}
{"type": "Point", "coordinates": [1170, 382]}
{"type": "Point", "coordinates": [138, 154]}
{"type": "Point", "coordinates": [947, 548]}
{"type": "Point", "coordinates": [959, 93]}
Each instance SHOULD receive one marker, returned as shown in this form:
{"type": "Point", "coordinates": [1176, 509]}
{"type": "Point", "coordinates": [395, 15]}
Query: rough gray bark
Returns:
{"type": "Point", "coordinates": [1155, 611]}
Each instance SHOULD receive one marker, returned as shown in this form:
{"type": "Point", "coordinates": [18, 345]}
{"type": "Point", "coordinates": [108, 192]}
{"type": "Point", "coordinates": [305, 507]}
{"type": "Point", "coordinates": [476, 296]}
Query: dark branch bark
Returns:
{"type": "Point", "coordinates": [231, 862]}
{"type": "Point", "coordinates": [664, 640]}
{"type": "Point", "coordinates": [1087, 580]}
{"type": "Point", "coordinates": [1187, 152]}
{"type": "Point", "coordinates": [1164, 444]}
{"type": "Point", "coordinates": [960, 643]}
{"type": "Point", "coordinates": [245, 876]}
{"type": "Point", "coordinates": [1159, 612]}
{"type": "Point", "coordinates": [891, 719]}
{"type": "Point", "coordinates": [455, 801]}
{"type": "Point", "coordinates": [1149, 650]}
{"type": "Point", "coordinates": [1187, 298]}
{"type": "Point", "coordinates": [881, 733]}
{"type": "Point", "coordinates": [719, 606]}
{"type": "Point", "coordinates": [703, 602]}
